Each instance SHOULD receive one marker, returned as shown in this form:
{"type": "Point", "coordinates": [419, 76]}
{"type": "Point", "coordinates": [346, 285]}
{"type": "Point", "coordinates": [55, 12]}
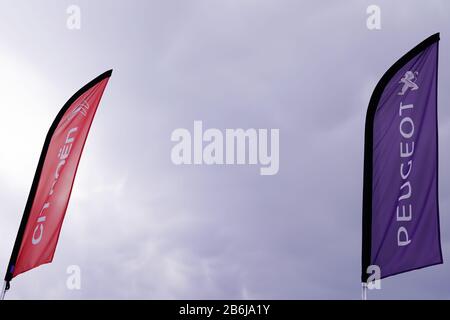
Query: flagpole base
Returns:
{"type": "Point", "coordinates": [4, 289]}
{"type": "Point", "coordinates": [363, 291]}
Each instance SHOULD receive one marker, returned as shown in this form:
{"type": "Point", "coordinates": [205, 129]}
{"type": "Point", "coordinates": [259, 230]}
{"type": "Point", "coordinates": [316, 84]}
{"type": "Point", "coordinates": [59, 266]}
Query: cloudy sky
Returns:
{"type": "Point", "coordinates": [141, 227]}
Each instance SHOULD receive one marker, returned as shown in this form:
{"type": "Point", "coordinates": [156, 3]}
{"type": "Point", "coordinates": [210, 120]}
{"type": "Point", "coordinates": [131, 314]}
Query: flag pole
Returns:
{"type": "Point", "coordinates": [363, 291]}
{"type": "Point", "coordinates": [4, 289]}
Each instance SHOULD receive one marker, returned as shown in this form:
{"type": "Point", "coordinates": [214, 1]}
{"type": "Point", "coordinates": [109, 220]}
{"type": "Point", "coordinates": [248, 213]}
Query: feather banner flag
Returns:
{"type": "Point", "coordinates": [52, 185]}
{"type": "Point", "coordinates": [400, 193]}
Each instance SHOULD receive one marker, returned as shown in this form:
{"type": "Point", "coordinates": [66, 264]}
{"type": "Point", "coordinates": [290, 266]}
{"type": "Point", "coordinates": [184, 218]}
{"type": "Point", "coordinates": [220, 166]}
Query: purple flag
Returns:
{"type": "Point", "coordinates": [400, 195]}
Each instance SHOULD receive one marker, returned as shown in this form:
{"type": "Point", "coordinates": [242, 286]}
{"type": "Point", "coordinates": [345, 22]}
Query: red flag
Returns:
{"type": "Point", "coordinates": [50, 192]}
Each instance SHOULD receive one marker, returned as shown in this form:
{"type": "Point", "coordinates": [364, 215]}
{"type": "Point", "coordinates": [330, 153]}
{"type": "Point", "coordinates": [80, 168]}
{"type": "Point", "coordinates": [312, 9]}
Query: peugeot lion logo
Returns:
{"type": "Point", "coordinates": [408, 82]}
